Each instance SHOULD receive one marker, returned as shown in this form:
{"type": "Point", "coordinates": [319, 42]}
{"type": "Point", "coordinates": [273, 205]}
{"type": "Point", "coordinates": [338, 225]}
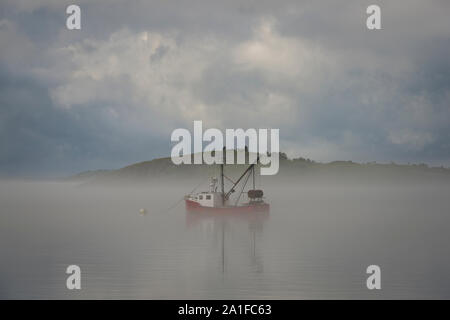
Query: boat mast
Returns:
{"type": "Point", "coordinates": [222, 183]}
{"type": "Point", "coordinates": [253, 172]}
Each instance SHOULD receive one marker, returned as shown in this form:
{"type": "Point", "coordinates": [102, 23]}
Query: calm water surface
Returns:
{"type": "Point", "coordinates": [316, 243]}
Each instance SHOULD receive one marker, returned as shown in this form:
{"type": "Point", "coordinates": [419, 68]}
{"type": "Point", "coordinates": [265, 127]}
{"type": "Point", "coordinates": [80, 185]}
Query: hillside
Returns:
{"type": "Point", "coordinates": [291, 170]}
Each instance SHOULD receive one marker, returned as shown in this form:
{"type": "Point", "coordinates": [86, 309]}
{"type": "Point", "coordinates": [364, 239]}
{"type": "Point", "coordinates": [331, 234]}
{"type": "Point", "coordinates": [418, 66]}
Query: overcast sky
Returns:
{"type": "Point", "coordinates": [111, 93]}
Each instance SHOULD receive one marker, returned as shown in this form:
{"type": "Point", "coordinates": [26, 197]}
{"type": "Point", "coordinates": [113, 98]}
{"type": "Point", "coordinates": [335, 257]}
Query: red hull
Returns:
{"type": "Point", "coordinates": [193, 206]}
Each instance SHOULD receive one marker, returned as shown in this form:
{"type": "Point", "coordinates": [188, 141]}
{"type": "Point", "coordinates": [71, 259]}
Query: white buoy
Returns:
{"type": "Point", "coordinates": [142, 211]}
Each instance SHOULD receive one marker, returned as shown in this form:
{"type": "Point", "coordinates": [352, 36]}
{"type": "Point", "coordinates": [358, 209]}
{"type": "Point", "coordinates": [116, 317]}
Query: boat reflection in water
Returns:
{"type": "Point", "coordinates": [222, 226]}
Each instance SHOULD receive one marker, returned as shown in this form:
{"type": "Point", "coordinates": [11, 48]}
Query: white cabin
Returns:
{"type": "Point", "coordinates": [207, 199]}
{"type": "Point", "coordinates": [211, 199]}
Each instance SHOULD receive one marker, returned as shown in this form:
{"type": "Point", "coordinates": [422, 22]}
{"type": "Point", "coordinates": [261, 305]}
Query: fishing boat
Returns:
{"type": "Point", "coordinates": [219, 201]}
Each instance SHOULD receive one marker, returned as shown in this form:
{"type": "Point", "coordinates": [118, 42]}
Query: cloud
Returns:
{"type": "Point", "coordinates": [159, 75]}
{"type": "Point", "coordinates": [275, 54]}
{"type": "Point", "coordinates": [137, 74]}
{"type": "Point", "coordinates": [138, 70]}
{"type": "Point", "coordinates": [411, 139]}
{"type": "Point", "coordinates": [16, 48]}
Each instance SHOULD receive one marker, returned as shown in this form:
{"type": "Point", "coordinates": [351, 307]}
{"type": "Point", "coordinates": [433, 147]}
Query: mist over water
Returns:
{"type": "Point", "coordinates": [316, 243]}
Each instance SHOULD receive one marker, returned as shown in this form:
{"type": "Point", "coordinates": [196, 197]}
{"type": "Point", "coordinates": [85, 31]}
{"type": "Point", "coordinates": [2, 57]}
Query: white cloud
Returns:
{"type": "Point", "coordinates": [160, 75]}
{"type": "Point", "coordinates": [147, 72]}
{"type": "Point", "coordinates": [409, 139]}
{"type": "Point", "coordinates": [281, 58]}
